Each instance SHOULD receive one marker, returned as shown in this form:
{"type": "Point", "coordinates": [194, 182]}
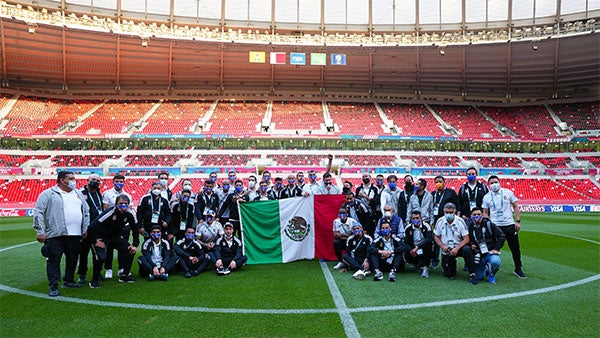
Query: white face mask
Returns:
{"type": "Point", "coordinates": [156, 192]}
{"type": "Point", "coordinates": [163, 182]}
{"type": "Point", "coordinates": [72, 185]}
{"type": "Point", "coordinates": [188, 187]}
{"type": "Point", "coordinates": [387, 214]}
{"type": "Point", "coordinates": [495, 186]}
{"type": "Point", "coordinates": [251, 184]}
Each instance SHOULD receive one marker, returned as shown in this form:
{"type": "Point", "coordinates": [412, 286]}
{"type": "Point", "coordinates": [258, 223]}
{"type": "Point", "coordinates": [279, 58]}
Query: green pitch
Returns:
{"type": "Point", "coordinates": [560, 297]}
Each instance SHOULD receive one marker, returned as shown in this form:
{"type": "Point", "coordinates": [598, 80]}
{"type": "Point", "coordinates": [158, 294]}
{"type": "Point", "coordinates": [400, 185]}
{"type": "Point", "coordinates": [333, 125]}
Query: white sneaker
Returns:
{"type": "Point", "coordinates": [120, 272]}
{"type": "Point", "coordinates": [425, 273]}
{"type": "Point", "coordinates": [108, 274]}
{"type": "Point", "coordinates": [366, 272]}
{"type": "Point", "coordinates": [339, 265]}
{"type": "Point", "coordinates": [359, 274]}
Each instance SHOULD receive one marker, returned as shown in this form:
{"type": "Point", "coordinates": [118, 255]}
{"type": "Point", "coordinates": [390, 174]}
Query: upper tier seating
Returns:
{"type": "Point", "coordinates": [415, 120]}
{"type": "Point", "coordinates": [28, 115]}
{"type": "Point", "coordinates": [356, 118]}
{"type": "Point", "coordinates": [468, 121]}
{"type": "Point", "coordinates": [533, 122]}
{"type": "Point", "coordinates": [237, 117]}
{"type": "Point", "coordinates": [114, 117]}
{"type": "Point", "coordinates": [175, 117]}
{"type": "Point", "coordinates": [580, 116]}
{"type": "Point", "coordinates": [294, 115]}
{"type": "Point", "coordinates": [70, 111]}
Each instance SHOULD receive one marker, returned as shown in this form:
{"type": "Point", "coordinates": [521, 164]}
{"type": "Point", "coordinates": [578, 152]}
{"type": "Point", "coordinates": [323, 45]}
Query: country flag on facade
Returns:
{"type": "Point", "coordinates": [278, 58]}
{"type": "Point", "coordinates": [290, 229]}
{"type": "Point", "coordinates": [256, 57]}
{"type": "Point", "coordinates": [318, 59]}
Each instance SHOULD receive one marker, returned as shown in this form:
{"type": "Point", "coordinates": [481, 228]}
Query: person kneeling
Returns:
{"type": "Point", "coordinates": [356, 253]}
{"type": "Point", "coordinates": [192, 258]}
{"type": "Point", "coordinates": [386, 252]}
{"type": "Point", "coordinates": [228, 252]}
{"type": "Point", "coordinates": [157, 258]}
{"type": "Point", "coordinates": [486, 241]}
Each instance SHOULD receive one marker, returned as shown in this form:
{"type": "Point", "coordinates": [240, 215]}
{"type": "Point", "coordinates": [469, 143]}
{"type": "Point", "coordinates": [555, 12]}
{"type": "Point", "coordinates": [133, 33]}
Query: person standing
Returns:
{"type": "Point", "coordinates": [498, 205]}
{"type": "Point", "coordinates": [470, 194]}
{"type": "Point", "coordinates": [61, 218]}
{"type": "Point", "coordinates": [93, 198]}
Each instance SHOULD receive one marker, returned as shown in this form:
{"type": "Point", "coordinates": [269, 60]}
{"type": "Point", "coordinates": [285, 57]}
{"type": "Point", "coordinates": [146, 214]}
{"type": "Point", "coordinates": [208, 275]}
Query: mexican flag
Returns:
{"type": "Point", "coordinates": [291, 229]}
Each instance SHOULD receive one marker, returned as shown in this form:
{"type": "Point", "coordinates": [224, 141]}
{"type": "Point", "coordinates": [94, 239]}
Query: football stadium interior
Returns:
{"type": "Point", "coordinates": [419, 87]}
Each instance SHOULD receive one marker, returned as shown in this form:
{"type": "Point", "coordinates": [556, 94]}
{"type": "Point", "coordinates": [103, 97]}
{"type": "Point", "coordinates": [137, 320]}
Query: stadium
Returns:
{"type": "Point", "coordinates": [390, 87]}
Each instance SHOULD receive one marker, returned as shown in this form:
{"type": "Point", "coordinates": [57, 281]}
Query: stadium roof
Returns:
{"type": "Point", "coordinates": [89, 61]}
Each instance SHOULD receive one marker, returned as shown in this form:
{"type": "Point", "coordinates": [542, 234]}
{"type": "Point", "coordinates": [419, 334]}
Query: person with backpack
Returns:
{"type": "Point", "coordinates": [486, 240]}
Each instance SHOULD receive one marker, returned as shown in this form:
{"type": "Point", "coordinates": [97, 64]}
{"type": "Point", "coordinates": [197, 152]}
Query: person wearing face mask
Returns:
{"type": "Point", "coordinates": [154, 210]}
{"type": "Point", "coordinates": [486, 241]}
{"type": "Point", "coordinates": [61, 218]}
{"type": "Point", "coordinates": [360, 211]}
{"type": "Point", "coordinates": [421, 200]}
{"type": "Point", "coordinates": [207, 233]}
{"type": "Point", "coordinates": [391, 194]}
{"type": "Point", "coordinates": [394, 220]}
{"type": "Point", "coordinates": [356, 255]}
{"type": "Point", "coordinates": [192, 258]}
{"type": "Point", "coordinates": [342, 229]}
{"type": "Point", "coordinates": [157, 259]}
{"type": "Point", "coordinates": [452, 236]}
{"type": "Point", "coordinates": [182, 215]}
{"type": "Point", "coordinates": [253, 188]}
{"type": "Point", "coordinates": [264, 193]}
{"type": "Point", "coordinates": [228, 252]}
{"type": "Point", "coordinates": [404, 197]}
{"type": "Point", "coordinates": [107, 231]}
{"type": "Point", "coordinates": [163, 179]}
{"type": "Point", "coordinates": [93, 198]}
{"type": "Point", "coordinates": [498, 205]}
{"type": "Point", "coordinates": [267, 178]}
{"type": "Point", "coordinates": [223, 193]}
{"type": "Point", "coordinates": [230, 207]}
{"type": "Point", "coordinates": [419, 238]}
{"type": "Point", "coordinates": [213, 178]}
{"type": "Point", "coordinates": [206, 200]}
{"type": "Point", "coordinates": [300, 180]}
{"type": "Point", "coordinates": [108, 201]}
{"type": "Point", "coordinates": [186, 184]}
{"type": "Point", "coordinates": [277, 188]}
{"type": "Point", "coordinates": [291, 189]}
{"type": "Point", "coordinates": [470, 194]}
{"type": "Point", "coordinates": [441, 196]}
{"type": "Point", "coordinates": [386, 253]}
{"type": "Point", "coordinates": [369, 193]}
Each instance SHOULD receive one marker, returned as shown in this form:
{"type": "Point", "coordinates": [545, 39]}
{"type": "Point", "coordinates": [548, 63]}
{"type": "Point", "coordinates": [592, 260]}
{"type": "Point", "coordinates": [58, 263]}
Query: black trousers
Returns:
{"type": "Point", "coordinates": [238, 263]}
{"type": "Point", "coordinates": [187, 265]}
{"type": "Point", "coordinates": [382, 264]}
{"type": "Point", "coordinates": [67, 245]}
{"type": "Point", "coordinates": [422, 260]}
{"type": "Point", "coordinates": [338, 246]}
{"type": "Point", "coordinates": [512, 238]}
{"type": "Point", "coordinates": [449, 262]}
{"type": "Point", "coordinates": [84, 252]}
{"type": "Point", "coordinates": [100, 255]}
{"type": "Point", "coordinates": [353, 263]}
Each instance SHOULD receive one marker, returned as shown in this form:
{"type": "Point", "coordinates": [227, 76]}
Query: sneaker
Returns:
{"type": "Point", "coordinates": [492, 279]}
{"type": "Point", "coordinates": [94, 284]}
{"type": "Point", "coordinates": [425, 272]}
{"type": "Point", "coordinates": [378, 275]}
{"type": "Point", "coordinates": [70, 285]}
{"type": "Point", "coordinates": [359, 274]}
{"type": "Point", "coordinates": [127, 279]}
{"type": "Point", "coordinates": [187, 274]}
{"type": "Point", "coordinates": [194, 272]}
{"type": "Point", "coordinates": [339, 265]}
{"type": "Point", "coordinates": [53, 292]}
{"type": "Point", "coordinates": [519, 273]}
{"type": "Point", "coordinates": [81, 280]}
{"type": "Point", "coordinates": [164, 277]}
{"type": "Point", "coordinates": [367, 272]}
{"type": "Point", "coordinates": [108, 274]}
{"type": "Point", "coordinates": [120, 271]}
{"type": "Point", "coordinates": [227, 271]}
{"type": "Point", "coordinates": [392, 277]}
{"type": "Point", "coordinates": [473, 279]}
{"type": "Point", "coordinates": [151, 277]}
{"type": "Point", "coordinates": [434, 265]}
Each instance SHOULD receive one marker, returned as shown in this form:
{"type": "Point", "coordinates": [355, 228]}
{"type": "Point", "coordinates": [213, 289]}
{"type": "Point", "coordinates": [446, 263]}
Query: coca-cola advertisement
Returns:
{"type": "Point", "coordinates": [12, 212]}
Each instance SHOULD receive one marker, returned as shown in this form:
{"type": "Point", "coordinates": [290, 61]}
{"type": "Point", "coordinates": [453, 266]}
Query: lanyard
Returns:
{"type": "Point", "coordinates": [358, 245]}
{"type": "Point", "coordinates": [386, 245]}
{"type": "Point", "coordinates": [451, 230]}
{"type": "Point", "coordinates": [468, 190]}
{"type": "Point", "coordinates": [208, 228]}
{"type": "Point", "coordinates": [441, 198]}
{"type": "Point", "coordinates": [91, 195]}
{"type": "Point", "coordinates": [159, 204]}
{"type": "Point", "coordinates": [501, 200]}
{"type": "Point", "coordinates": [482, 233]}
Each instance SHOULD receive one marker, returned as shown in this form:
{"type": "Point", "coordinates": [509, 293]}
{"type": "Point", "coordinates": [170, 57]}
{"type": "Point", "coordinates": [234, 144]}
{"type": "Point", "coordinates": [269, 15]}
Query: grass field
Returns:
{"type": "Point", "coordinates": [560, 297]}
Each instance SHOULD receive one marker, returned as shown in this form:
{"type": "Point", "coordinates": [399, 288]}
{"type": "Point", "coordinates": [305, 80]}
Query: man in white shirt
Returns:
{"type": "Point", "coordinates": [498, 205]}
{"type": "Point", "coordinates": [452, 235]}
{"type": "Point", "coordinates": [61, 218]}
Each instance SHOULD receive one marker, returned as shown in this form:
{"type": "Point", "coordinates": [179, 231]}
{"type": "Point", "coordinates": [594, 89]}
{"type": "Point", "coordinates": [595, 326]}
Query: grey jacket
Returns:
{"type": "Point", "coordinates": [49, 217]}
{"type": "Point", "coordinates": [425, 207]}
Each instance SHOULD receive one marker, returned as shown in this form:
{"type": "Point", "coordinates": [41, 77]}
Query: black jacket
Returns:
{"type": "Point", "coordinates": [488, 231]}
{"type": "Point", "coordinates": [465, 195]}
{"type": "Point", "coordinates": [112, 224]}
{"type": "Point", "coordinates": [425, 230]}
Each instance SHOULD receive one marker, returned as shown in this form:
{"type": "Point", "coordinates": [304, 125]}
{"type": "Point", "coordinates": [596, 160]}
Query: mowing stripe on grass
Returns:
{"type": "Point", "coordinates": [340, 304]}
{"type": "Point", "coordinates": [16, 246]}
{"type": "Point", "coordinates": [561, 235]}
{"type": "Point", "coordinates": [477, 300]}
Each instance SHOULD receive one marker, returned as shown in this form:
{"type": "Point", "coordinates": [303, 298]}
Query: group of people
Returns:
{"type": "Point", "coordinates": [381, 227]}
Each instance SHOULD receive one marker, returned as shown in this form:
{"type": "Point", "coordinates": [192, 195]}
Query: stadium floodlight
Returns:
{"type": "Point", "coordinates": [32, 27]}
